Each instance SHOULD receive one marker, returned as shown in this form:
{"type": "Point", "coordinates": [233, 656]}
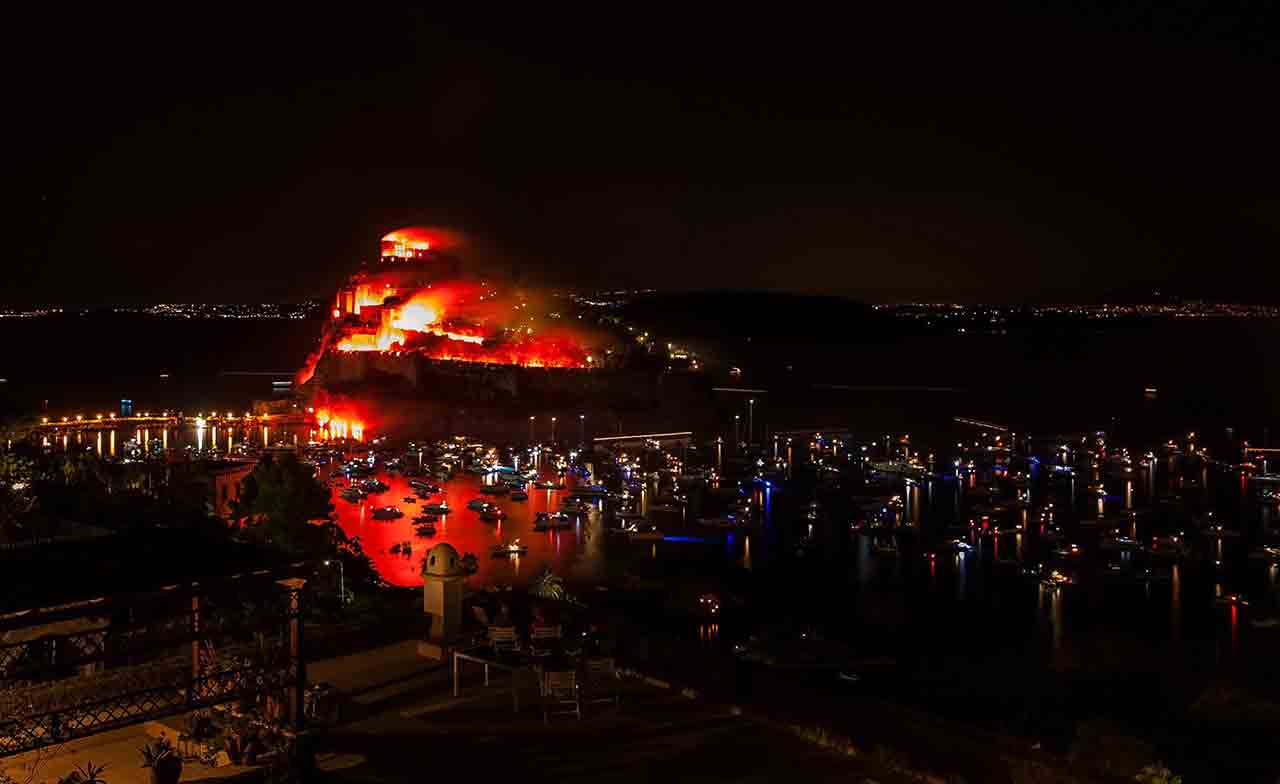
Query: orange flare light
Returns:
{"type": "Point", "coordinates": [339, 425]}
{"type": "Point", "coordinates": [417, 316]}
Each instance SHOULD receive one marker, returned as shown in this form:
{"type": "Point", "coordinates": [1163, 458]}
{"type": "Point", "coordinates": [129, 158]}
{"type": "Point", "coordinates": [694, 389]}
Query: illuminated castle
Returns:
{"type": "Point", "coordinates": [419, 323]}
{"type": "Point", "coordinates": [407, 244]}
{"type": "Point", "coordinates": [416, 300]}
{"type": "Point", "coordinates": [410, 259]}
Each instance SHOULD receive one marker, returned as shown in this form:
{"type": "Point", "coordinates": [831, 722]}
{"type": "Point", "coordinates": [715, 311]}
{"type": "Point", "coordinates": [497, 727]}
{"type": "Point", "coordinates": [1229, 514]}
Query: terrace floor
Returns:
{"type": "Point", "coordinates": [401, 723]}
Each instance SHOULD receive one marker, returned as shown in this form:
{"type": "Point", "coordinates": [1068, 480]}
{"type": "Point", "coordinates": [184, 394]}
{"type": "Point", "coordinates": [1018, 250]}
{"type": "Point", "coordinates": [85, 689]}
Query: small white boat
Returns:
{"type": "Point", "coordinates": [1055, 579]}
{"type": "Point", "coordinates": [547, 522]}
{"type": "Point", "coordinates": [720, 522]}
{"type": "Point", "coordinates": [441, 508]}
{"type": "Point", "coordinates": [644, 533]}
{"type": "Point", "coordinates": [1266, 552]}
{"type": "Point", "coordinates": [510, 548]}
{"type": "Point", "coordinates": [1118, 543]}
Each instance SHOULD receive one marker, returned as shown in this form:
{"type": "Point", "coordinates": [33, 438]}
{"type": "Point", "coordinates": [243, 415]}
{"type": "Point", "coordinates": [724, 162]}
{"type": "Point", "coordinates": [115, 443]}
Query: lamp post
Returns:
{"type": "Point", "coordinates": [736, 439]}
{"type": "Point", "coordinates": [342, 582]}
{"type": "Point", "coordinates": [553, 430]}
{"type": "Point", "coordinates": [751, 419]}
{"type": "Point", "coordinates": [582, 429]}
{"type": "Point", "coordinates": [530, 430]}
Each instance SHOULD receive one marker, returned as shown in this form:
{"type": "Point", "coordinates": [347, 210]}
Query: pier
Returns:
{"type": "Point", "coordinates": [100, 422]}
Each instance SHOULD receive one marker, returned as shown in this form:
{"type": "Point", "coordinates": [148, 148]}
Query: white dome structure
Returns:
{"type": "Point", "coordinates": [443, 561]}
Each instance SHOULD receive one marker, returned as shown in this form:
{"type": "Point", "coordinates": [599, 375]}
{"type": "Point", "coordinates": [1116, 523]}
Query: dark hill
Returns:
{"type": "Point", "coordinates": [728, 316]}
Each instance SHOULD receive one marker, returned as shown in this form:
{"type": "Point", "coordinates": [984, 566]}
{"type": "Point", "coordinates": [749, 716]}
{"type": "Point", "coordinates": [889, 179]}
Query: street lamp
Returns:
{"type": "Point", "coordinates": [736, 439]}
{"type": "Point", "coordinates": [582, 429]}
{"type": "Point", "coordinates": [553, 430]}
{"type": "Point", "coordinates": [530, 430]}
{"type": "Point", "coordinates": [342, 581]}
{"type": "Point", "coordinates": [751, 419]}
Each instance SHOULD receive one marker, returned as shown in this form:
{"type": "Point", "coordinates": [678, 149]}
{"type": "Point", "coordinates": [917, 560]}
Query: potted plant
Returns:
{"type": "Point", "coordinates": [164, 763]}
{"type": "Point", "coordinates": [233, 744]}
{"type": "Point", "coordinates": [88, 774]}
{"type": "Point", "coordinates": [277, 708]}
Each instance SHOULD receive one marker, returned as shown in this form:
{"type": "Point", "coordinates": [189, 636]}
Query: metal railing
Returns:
{"type": "Point", "coordinates": [61, 686]}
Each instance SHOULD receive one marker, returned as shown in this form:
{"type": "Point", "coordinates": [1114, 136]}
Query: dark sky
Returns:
{"type": "Point", "coordinates": [1005, 155]}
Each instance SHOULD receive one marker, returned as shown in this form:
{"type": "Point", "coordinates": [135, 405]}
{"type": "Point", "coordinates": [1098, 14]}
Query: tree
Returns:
{"type": "Point", "coordinates": [17, 473]}
{"type": "Point", "coordinates": [283, 500]}
{"type": "Point", "coordinates": [548, 585]}
{"type": "Point", "coordinates": [1157, 774]}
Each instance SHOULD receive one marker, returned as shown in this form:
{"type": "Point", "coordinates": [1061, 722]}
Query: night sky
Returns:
{"type": "Point", "coordinates": [1003, 155]}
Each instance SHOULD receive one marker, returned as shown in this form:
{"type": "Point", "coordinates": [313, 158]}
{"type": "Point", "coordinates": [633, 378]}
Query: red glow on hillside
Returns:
{"type": "Point", "coordinates": [436, 310]}
{"type": "Point", "coordinates": [547, 350]}
{"type": "Point", "coordinates": [465, 322]}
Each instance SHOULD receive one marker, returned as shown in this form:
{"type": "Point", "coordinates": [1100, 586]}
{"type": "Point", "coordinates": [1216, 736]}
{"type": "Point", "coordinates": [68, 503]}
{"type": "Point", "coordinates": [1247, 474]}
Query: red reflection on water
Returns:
{"type": "Point", "coordinates": [569, 552]}
{"type": "Point", "coordinates": [1235, 630]}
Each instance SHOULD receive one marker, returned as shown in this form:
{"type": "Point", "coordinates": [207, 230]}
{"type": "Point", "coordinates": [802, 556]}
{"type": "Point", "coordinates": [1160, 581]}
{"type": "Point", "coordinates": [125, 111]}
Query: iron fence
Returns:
{"type": "Point", "coordinates": [62, 686]}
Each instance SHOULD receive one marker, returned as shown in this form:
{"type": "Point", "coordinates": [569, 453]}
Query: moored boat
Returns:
{"type": "Point", "coordinates": [644, 533]}
{"type": "Point", "coordinates": [514, 547]}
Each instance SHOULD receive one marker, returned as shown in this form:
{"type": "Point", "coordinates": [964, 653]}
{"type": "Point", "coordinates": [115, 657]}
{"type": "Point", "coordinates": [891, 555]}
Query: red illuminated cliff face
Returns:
{"type": "Point", "coordinates": [464, 322]}
{"type": "Point", "coordinates": [416, 300]}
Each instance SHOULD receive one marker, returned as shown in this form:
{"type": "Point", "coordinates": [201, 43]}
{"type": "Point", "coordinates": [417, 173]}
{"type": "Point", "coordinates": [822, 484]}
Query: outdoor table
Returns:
{"type": "Point", "coordinates": [515, 667]}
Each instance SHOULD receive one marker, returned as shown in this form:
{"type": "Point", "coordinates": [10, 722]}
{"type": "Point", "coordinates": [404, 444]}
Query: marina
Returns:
{"type": "Point", "coordinates": [857, 395]}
